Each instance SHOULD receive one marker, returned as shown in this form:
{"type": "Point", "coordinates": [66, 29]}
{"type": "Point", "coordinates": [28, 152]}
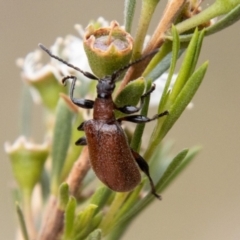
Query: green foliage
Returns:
{"type": "Point", "coordinates": [61, 139]}
{"type": "Point", "coordinates": [69, 218]}
{"type": "Point", "coordinates": [129, 9]}
{"type": "Point", "coordinates": [22, 222]}
{"type": "Point", "coordinates": [63, 196]}
{"type": "Point", "coordinates": [130, 95]}
{"type": "Point", "coordinates": [95, 235]}
{"type": "Point", "coordinates": [135, 142]}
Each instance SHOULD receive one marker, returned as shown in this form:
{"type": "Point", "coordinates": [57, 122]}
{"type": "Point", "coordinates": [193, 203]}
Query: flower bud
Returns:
{"type": "Point", "coordinates": [27, 161]}
{"type": "Point", "coordinates": [43, 80]}
{"type": "Point", "coordinates": [107, 48]}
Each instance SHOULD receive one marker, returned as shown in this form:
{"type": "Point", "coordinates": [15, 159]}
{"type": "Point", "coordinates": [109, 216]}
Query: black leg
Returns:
{"type": "Point", "coordinates": [83, 103]}
{"type": "Point", "coordinates": [145, 168]}
{"type": "Point", "coordinates": [142, 119]}
{"type": "Point", "coordinates": [81, 127]}
{"type": "Point", "coordinates": [81, 141]}
{"type": "Point", "coordinates": [133, 109]}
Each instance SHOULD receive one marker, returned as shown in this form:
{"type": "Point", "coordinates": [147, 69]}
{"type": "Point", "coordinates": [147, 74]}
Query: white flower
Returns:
{"type": "Point", "coordinates": [22, 143]}
{"type": "Point", "coordinates": [160, 84]}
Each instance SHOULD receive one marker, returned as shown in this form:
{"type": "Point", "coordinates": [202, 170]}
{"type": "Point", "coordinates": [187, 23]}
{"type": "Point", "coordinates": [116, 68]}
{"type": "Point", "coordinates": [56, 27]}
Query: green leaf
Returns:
{"type": "Point", "coordinates": [45, 186]}
{"type": "Point", "coordinates": [22, 222]}
{"type": "Point", "coordinates": [118, 232]}
{"type": "Point", "coordinates": [186, 67]}
{"type": "Point", "coordinates": [97, 220]}
{"type": "Point", "coordinates": [160, 161]}
{"type": "Point", "coordinates": [95, 235]}
{"type": "Point", "coordinates": [188, 158]}
{"type": "Point", "coordinates": [160, 62]}
{"type": "Point", "coordinates": [129, 9]}
{"type": "Point", "coordinates": [174, 164]}
{"type": "Point", "coordinates": [197, 51]}
{"type": "Point", "coordinates": [183, 99]}
{"type": "Point", "coordinates": [84, 224]}
{"type": "Point", "coordinates": [218, 8]}
{"type": "Point", "coordinates": [174, 55]}
{"type": "Point", "coordinates": [130, 95]}
{"type": "Point", "coordinates": [109, 219]}
{"type": "Point", "coordinates": [140, 205]}
{"type": "Point", "coordinates": [226, 5]}
{"type": "Point", "coordinates": [69, 218]}
{"type": "Point", "coordinates": [226, 21]}
{"type": "Point", "coordinates": [63, 196]}
{"type": "Point", "coordinates": [137, 136]}
{"type": "Point", "coordinates": [73, 150]}
{"type": "Point", "coordinates": [131, 200]}
{"type": "Point", "coordinates": [100, 197]}
{"type": "Point", "coordinates": [183, 91]}
{"type": "Point", "coordinates": [61, 139]}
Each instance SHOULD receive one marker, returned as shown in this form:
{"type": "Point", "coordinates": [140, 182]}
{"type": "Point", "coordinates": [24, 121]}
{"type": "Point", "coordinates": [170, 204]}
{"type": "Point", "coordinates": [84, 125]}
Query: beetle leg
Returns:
{"type": "Point", "coordinates": [128, 109]}
{"type": "Point", "coordinates": [133, 109]}
{"type": "Point", "coordinates": [83, 103]}
{"type": "Point", "coordinates": [81, 127]}
{"type": "Point", "coordinates": [145, 168]}
{"type": "Point", "coordinates": [141, 118]}
{"type": "Point", "coordinates": [81, 141]}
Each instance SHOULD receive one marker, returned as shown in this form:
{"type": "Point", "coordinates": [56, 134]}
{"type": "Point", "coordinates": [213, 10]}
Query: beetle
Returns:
{"type": "Point", "coordinates": [112, 159]}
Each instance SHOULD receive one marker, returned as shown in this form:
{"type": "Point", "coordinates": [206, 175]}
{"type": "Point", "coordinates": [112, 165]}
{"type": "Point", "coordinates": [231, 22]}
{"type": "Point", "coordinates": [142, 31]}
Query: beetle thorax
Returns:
{"type": "Point", "coordinates": [104, 109]}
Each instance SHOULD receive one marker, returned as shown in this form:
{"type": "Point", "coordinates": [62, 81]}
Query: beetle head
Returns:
{"type": "Point", "coordinates": [105, 87]}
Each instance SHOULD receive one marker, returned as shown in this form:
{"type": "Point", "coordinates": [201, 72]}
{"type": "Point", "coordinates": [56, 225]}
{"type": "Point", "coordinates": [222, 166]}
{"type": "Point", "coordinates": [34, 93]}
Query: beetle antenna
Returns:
{"type": "Point", "coordinates": [86, 74]}
{"type": "Point", "coordinates": [117, 73]}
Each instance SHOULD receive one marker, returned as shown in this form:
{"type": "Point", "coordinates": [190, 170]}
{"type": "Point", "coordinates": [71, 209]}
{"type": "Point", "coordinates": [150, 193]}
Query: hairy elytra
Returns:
{"type": "Point", "coordinates": [112, 159]}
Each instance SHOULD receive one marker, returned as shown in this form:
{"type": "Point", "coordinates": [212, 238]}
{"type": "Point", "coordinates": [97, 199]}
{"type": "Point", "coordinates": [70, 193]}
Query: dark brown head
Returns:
{"type": "Point", "coordinates": [105, 87]}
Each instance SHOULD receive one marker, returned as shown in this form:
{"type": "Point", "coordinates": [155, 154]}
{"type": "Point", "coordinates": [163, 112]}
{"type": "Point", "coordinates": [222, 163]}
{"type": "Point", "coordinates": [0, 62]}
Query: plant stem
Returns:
{"type": "Point", "coordinates": [146, 14]}
{"type": "Point", "coordinates": [114, 208]}
{"type": "Point", "coordinates": [27, 210]}
{"type": "Point", "coordinates": [171, 12]}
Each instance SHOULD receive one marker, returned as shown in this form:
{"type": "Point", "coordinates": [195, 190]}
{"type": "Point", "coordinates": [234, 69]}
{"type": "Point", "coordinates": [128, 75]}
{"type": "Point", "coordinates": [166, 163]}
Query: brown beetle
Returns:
{"type": "Point", "coordinates": [112, 159]}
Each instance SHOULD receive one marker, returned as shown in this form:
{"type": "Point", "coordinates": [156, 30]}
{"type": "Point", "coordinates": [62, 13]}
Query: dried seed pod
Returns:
{"type": "Point", "coordinates": [108, 49]}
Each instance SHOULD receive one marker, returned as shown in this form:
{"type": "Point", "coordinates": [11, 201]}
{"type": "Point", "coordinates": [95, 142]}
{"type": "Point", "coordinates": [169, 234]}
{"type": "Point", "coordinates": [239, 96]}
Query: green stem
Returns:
{"type": "Point", "coordinates": [153, 144]}
{"type": "Point", "coordinates": [22, 222]}
{"type": "Point", "coordinates": [114, 208]}
{"type": "Point", "coordinates": [148, 7]}
{"type": "Point", "coordinates": [129, 9]}
{"type": "Point", "coordinates": [216, 9]}
{"type": "Point", "coordinates": [163, 52]}
{"type": "Point", "coordinates": [175, 51]}
{"type": "Point", "coordinates": [27, 210]}
{"type": "Point", "coordinates": [137, 136]}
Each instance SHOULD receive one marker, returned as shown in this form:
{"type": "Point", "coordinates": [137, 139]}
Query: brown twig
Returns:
{"type": "Point", "coordinates": [78, 172]}
{"type": "Point", "coordinates": [53, 221]}
{"type": "Point", "coordinates": [172, 10]}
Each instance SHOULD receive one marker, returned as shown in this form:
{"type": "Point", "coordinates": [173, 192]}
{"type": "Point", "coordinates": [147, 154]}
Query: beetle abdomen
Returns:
{"type": "Point", "coordinates": [110, 155]}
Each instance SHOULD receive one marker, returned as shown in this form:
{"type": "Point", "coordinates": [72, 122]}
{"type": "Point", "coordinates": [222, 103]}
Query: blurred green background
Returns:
{"type": "Point", "coordinates": [204, 202]}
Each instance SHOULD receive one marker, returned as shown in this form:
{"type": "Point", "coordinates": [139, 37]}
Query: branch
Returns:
{"type": "Point", "coordinates": [170, 14]}
{"type": "Point", "coordinates": [53, 221]}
